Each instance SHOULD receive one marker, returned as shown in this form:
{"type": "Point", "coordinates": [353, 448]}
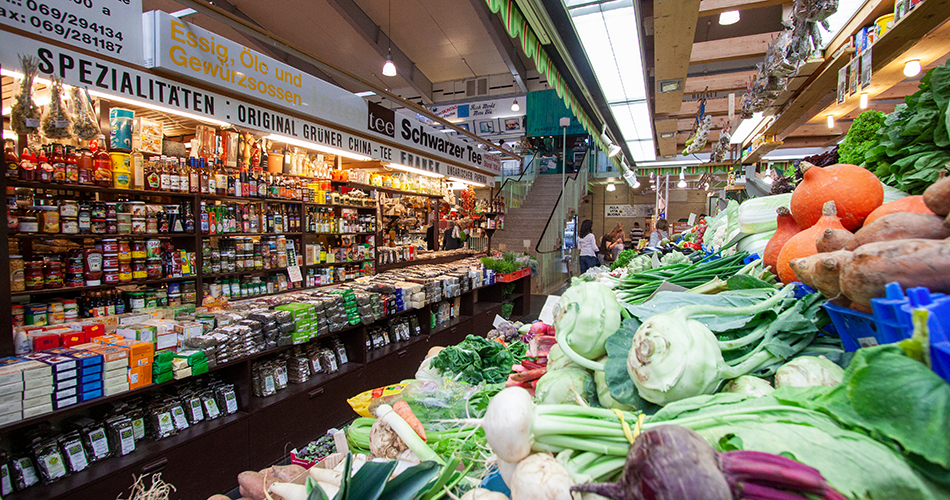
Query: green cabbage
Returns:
{"type": "Point", "coordinates": [603, 393]}
{"type": "Point", "coordinates": [562, 386]}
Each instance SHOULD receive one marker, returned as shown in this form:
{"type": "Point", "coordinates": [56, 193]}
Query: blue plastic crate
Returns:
{"type": "Point", "coordinates": [856, 329]}
{"type": "Point", "coordinates": [494, 482]}
{"type": "Point", "coordinates": [940, 358]}
{"type": "Point", "coordinates": [893, 312]}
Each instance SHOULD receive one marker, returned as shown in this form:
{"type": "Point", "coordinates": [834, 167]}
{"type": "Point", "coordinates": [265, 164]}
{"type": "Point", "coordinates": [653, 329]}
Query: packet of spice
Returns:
{"type": "Point", "coordinates": [56, 123]}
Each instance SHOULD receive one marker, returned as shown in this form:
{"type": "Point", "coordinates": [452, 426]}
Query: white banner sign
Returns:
{"type": "Point", "coordinates": [495, 108]}
{"type": "Point", "coordinates": [148, 89]}
{"type": "Point", "coordinates": [110, 27]}
{"type": "Point", "coordinates": [196, 53]}
{"type": "Point", "coordinates": [628, 210]}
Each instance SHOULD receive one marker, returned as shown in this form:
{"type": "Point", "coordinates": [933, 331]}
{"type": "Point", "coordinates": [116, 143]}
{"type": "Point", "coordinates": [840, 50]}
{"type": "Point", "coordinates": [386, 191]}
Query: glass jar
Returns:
{"type": "Point", "coordinates": [99, 210]}
{"type": "Point", "coordinates": [28, 224]}
{"type": "Point", "coordinates": [69, 208]}
{"type": "Point", "coordinates": [125, 272]}
{"type": "Point", "coordinates": [69, 225]}
{"type": "Point", "coordinates": [137, 300]}
{"type": "Point", "coordinates": [99, 226]}
{"type": "Point", "coordinates": [139, 271]}
{"type": "Point", "coordinates": [125, 252]}
{"type": "Point", "coordinates": [84, 166]}
{"type": "Point", "coordinates": [53, 274]}
{"type": "Point", "coordinates": [18, 315]}
{"type": "Point", "coordinates": [138, 249]}
{"type": "Point", "coordinates": [154, 269]}
{"type": "Point", "coordinates": [70, 309]}
{"type": "Point", "coordinates": [151, 224]}
{"type": "Point", "coordinates": [33, 275]}
{"type": "Point", "coordinates": [17, 274]}
{"type": "Point", "coordinates": [85, 218]}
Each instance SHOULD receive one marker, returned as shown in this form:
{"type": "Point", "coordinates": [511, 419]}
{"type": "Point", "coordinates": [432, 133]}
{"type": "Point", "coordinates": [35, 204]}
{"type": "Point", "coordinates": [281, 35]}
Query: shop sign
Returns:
{"type": "Point", "coordinates": [89, 72]}
{"type": "Point", "coordinates": [628, 210]}
{"type": "Point", "coordinates": [109, 27]}
{"type": "Point", "coordinates": [496, 108]}
{"type": "Point", "coordinates": [194, 52]}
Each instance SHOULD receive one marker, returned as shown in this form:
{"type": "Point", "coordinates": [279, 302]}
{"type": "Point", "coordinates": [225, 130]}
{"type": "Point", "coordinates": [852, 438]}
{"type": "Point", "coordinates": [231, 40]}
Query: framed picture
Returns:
{"type": "Point", "coordinates": [854, 75]}
{"type": "Point", "coordinates": [512, 125]}
{"type": "Point", "coordinates": [464, 126]}
{"type": "Point", "coordinates": [842, 85]}
{"type": "Point", "coordinates": [866, 70]}
{"type": "Point", "coordinates": [485, 127]}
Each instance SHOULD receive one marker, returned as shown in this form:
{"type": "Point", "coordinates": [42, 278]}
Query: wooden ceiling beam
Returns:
{"type": "Point", "coordinates": [729, 49]}
{"type": "Point", "coordinates": [674, 27]}
{"type": "Point", "coordinates": [716, 7]}
{"type": "Point", "coordinates": [719, 83]}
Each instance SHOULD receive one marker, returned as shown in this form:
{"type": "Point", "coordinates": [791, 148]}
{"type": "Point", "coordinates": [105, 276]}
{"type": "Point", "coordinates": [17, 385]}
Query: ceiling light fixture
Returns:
{"type": "Point", "coordinates": [864, 100]}
{"type": "Point", "coordinates": [389, 69]}
{"type": "Point", "coordinates": [682, 182]}
{"type": "Point", "coordinates": [745, 129]}
{"type": "Point", "coordinates": [768, 175]}
{"type": "Point", "coordinates": [611, 187]}
{"type": "Point", "coordinates": [317, 147]}
{"type": "Point", "coordinates": [831, 121]}
{"type": "Point", "coordinates": [730, 17]}
{"type": "Point", "coordinates": [911, 68]}
{"type": "Point", "coordinates": [515, 106]}
{"type": "Point", "coordinates": [612, 149]}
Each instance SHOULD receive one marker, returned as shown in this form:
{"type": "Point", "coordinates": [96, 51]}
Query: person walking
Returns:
{"type": "Point", "coordinates": [636, 234]}
{"type": "Point", "coordinates": [587, 244]}
{"type": "Point", "coordinates": [660, 233]}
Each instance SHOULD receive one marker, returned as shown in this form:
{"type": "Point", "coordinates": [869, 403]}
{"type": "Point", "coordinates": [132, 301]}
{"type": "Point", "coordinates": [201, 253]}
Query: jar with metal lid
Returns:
{"type": "Point", "coordinates": [85, 218]}
{"type": "Point", "coordinates": [151, 224]}
{"type": "Point", "coordinates": [137, 300]}
{"type": "Point", "coordinates": [154, 269]}
{"type": "Point", "coordinates": [153, 249]}
{"type": "Point", "coordinates": [110, 260]}
{"type": "Point", "coordinates": [69, 208]}
{"type": "Point", "coordinates": [110, 209]}
{"type": "Point", "coordinates": [125, 251]}
{"type": "Point", "coordinates": [33, 275]}
{"type": "Point", "coordinates": [112, 227]}
{"type": "Point", "coordinates": [139, 271]}
{"type": "Point", "coordinates": [69, 225]}
{"type": "Point", "coordinates": [18, 315]}
{"type": "Point", "coordinates": [28, 224]}
{"type": "Point", "coordinates": [151, 300]}
{"type": "Point", "coordinates": [17, 274]}
{"type": "Point", "coordinates": [49, 220]}
{"type": "Point", "coordinates": [125, 271]}
{"type": "Point", "coordinates": [138, 249]}
{"type": "Point", "coordinates": [110, 276]}
{"type": "Point", "coordinates": [138, 226]}
{"type": "Point", "coordinates": [53, 274]}
{"type": "Point", "coordinates": [99, 226]}
{"type": "Point", "coordinates": [99, 210]}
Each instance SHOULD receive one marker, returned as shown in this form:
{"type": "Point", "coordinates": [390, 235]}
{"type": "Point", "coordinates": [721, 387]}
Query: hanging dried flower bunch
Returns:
{"type": "Point", "coordinates": [56, 122]}
{"type": "Point", "coordinates": [25, 114]}
{"type": "Point", "coordinates": [85, 125]}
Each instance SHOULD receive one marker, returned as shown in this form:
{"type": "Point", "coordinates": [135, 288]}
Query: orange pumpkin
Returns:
{"type": "Point", "coordinates": [803, 243]}
{"type": "Point", "coordinates": [787, 227]}
{"type": "Point", "coordinates": [913, 204]}
{"type": "Point", "coordinates": [855, 191]}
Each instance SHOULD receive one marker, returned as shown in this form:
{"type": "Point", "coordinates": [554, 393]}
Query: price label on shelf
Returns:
{"type": "Point", "coordinates": [294, 273]}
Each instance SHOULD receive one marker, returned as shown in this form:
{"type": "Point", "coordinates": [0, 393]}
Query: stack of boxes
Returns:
{"type": "Point", "coordinates": [25, 389]}
{"type": "Point", "coordinates": [188, 363]}
{"type": "Point", "coordinates": [65, 378]}
{"type": "Point", "coordinates": [89, 383]}
{"type": "Point", "coordinates": [303, 315]}
{"type": "Point", "coordinates": [115, 368]}
{"type": "Point", "coordinates": [140, 358]}
{"type": "Point", "coordinates": [162, 370]}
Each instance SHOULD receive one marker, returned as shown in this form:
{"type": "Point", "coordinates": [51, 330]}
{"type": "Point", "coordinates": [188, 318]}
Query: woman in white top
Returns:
{"type": "Point", "coordinates": [659, 234]}
{"type": "Point", "coordinates": [587, 244]}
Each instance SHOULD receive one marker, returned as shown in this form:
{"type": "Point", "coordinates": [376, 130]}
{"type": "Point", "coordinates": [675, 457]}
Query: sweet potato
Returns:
{"type": "Point", "coordinates": [219, 497]}
{"type": "Point", "coordinates": [251, 484]}
{"type": "Point", "coordinates": [804, 268]}
{"type": "Point", "coordinates": [826, 272]}
{"type": "Point", "coordinates": [914, 262]}
{"type": "Point", "coordinates": [288, 473]}
{"type": "Point", "coordinates": [832, 240]}
{"type": "Point", "coordinates": [900, 226]}
{"type": "Point", "coordinates": [937, 196]}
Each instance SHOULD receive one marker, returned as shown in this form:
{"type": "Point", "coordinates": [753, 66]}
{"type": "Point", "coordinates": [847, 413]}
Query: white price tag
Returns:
{"type": "Point", "coordinates": [294, 273]}
{"type": "Point", "coordinates": [127, 441]}
{"type": "Point", "coordinates": [77, 458]}
{"type": "Point", "coordinates": [165, 423]}
{"type": "Point", "coordinates": [60, 123]}
{"type": "Point", "coordinates": [269, 383]}
{"type": "Point", "coordinates": [211, 408]}
{"type": "Point", "coordinates": [138, 428]}
{"type": "Point", "coordinates": [498, 321]}
{"type": "Point", "coordinates": [282, 377]}
{"type": "Point", "coordinates": [196, 413]}
{"type": "Point", "coordinates": [179, 416]}
{"type": "Point", "coordinates": [55, 466]}
{"type": "Point", "coordinates": [231, 402]}
{"type": "Point", "coordinates": [32, 122]}
{"type": "Point", "coordinates": [100, 445]}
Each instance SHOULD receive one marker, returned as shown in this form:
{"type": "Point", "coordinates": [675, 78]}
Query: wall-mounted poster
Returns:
{"type": "Point", "coordinates": [512, 125]}
{"type": "Point", "coordinates": [866, 68]}
{"type": "Point", "coordinates": [854, 75]}
{"type": "Point", "coordinates": [464, 126]}
{"type": "Point", "coordinates": [486, 127]}
{"type": "Point", "coordinates": [842, 85]}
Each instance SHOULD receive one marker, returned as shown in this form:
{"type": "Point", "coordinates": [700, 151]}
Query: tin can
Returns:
{"type": "Point", "coordinates": [120, 124]}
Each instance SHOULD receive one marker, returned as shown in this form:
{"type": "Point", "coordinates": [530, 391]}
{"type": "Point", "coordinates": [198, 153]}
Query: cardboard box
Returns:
{"type": "Point", "coordinates": [189, 329]}
{"type": "Point", "coordinates": [46, 390]}
{"type": "Point", "coordinates": [112, 390]}
{"type": "Point", "coordinates": [168, 341]}
{"type": "Point", "coordinates": [140, 376]}
{"type": "Point", "coordinates": [64, 375]}
{"type": "Point", "coordinates": [13, 396]}
{"type": "Point", "coordinates": [140, 353]}
{"type": "Point", "coordinates": [119, 364]}
{"type": "Point", "coordinates": [37, 401]}
{"type": "Point", "coordinates": [65, 384]}
{"type": "Point", "coordinates": [15, 387]}
{"type": "Point", "coordinates": [60, 364]}
{"type": "Point", "coordinates": [141, 332]}
{"type": "Point", "coordinates": [65, 393]}
{"type": "Point", "coordinates": [68, 401]}
{"type": "Point", "coordinates": [33, 383]}
{"type": "Point", "coordinates": [86, 396]}
{"type": "Point", "coordinates": [9, 418]}
{"type": "Point", "coordinates": [91, 371]}
{"type": "Point", "coordinates": [116, 377]}
{"type": "Point", "coordinates": [11, 406]}
{"type": "Point", "coordinates": [91, 386]}
{"type": "Point", "coordinates": [37, 410]}
{"type": "Point", "coordinates": [183, 373]}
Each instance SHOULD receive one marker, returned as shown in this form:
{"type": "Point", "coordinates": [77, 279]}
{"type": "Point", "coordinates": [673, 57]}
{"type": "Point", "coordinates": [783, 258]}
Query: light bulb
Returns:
{"type": "Point", "coordinates": [864, 100]}
{"type": "Point", "coordinates": [730, 17]}
{"type": "Point", "coordinates": [681, 183]}
{"type": "Point", "coordinates": [611, 187]}
{"type": "Point", "coordinates": [831, 121]}
{"type": "Point", "coordinates": [515, 106]}
{"type": "Point", "coordinates": [911, 68]}
{"type": "Point", "coordinates": [389, 69]}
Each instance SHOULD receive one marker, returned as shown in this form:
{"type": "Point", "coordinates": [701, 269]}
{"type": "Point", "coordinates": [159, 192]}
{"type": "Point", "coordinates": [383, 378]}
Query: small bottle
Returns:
{"type": "Point", "coordinates": [72, 168]}
{"type": "Point", "coordinates": [44, 168]}
{"type": "Point", "coordinates": [174, 176]}
{"type": "Point", "coordinates": [194, 178]}
{"type": "Point", "coordinates": [11, 161]}
{"type": "Point", "coordinates": [165, 178]}
{"type": "Point", "coordinates": [102, 168]}
{"type": "Point", "coordinates": [27, 171]}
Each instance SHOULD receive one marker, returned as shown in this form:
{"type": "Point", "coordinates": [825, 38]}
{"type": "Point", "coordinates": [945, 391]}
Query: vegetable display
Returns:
{"type": "Point", "coordinates": [803, 244]}
{"type": "Point", "coordinates": [476, 360]}
{"type": "Point", "coordinates": [855, 191]}
{"type": "Point", "coordinates": [861, 137]}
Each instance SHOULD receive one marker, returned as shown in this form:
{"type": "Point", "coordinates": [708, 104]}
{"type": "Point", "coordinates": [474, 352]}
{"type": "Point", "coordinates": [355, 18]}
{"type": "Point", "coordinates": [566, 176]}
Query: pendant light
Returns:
{"type": "Point", "coordinates": [730, 17]}
{"type": "Point", "coordinates": [515, 106]}
{"type": "Point", "coordinates": [389, 69]}
{"type": "Point", "coordinates": [682, 182]}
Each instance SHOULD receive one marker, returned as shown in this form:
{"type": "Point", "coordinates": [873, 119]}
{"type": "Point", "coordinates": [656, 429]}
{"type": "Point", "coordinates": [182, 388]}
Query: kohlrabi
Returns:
{"type": "Point", "coordinates": [587, 314]}
{"type": "Point", "coordinates": [807, 371]}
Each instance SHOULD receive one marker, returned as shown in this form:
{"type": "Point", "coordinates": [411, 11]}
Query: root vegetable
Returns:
{"type": "Point", "coordinates": [219, 497]}
{"type": "Point", "coordinates": [787, 227]}
{"type": "Point", "coordinates": [406, 434]}
{"type": "Point", "coordinates": [252, 485]}
{"type": "Point", "coordinates": [384, 442]}
{"type": "Point", "coordinates": [900, 226]}
{"type": "Point", "coordinates": [507, 424]}
{"type": "Point", "coordinates": [826, 274]}
{"type": "Point", "coordinates": [288, 491]}
{"type": "Point", "coordinates": [906, 204]}
{"type": "Point", "coordinates": [937, 196]}
{"type": "Point", "coordinates": [803, 243]}
{"type": "Point", "coordinates": [831, 240]}
{"type": "Point", "coordinates": [804, 268]}
{"type": "Point", "coordinates": [506, 469]}
{"type": "Point", "coordinates": [914, 262]}
{"type": "Point", "coordinates": [541, 477]}
{"type": "Point", "coordinates": [483, 494]}
{"type": "Point", "coordinates": [326, 475]}
{"type": "Point", "coordinates": [287, 473]}
{"type": "Point", "coordinates": [402, 409]}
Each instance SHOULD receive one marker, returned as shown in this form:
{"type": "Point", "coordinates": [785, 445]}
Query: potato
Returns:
{"type": "Point", "coordinates": [900, 226]}
{"type": "Point", "coordinates": [832, 240]}
{"type": "Point", "coordinates": [826, 273]}
{"type": "Point", "coordinates": [288, 473]}
{"type": "Point", "coordinates": [913, 262]}
{"type": "Point", "coordinates": [219, 497]}
{"type": "Point", "coordinates": [251, 484]}
{"type": "Point", "coordinates": [937, 196]}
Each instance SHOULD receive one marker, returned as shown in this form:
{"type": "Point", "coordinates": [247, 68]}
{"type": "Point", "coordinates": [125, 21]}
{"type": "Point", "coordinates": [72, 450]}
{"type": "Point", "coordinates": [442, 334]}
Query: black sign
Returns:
{"type": "Point", "coordinates": [381, 120]}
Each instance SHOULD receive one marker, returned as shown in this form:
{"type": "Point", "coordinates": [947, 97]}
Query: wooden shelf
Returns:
{"type": "Point", "coordinates": [246, 272]}
{"type": "Point", "coordinates": [75, 289]}
{"type": "Point", "coordinates": [382, 352]}
{"type": "Point", "coordinates": [248, 199]}
{"type": "Point", "coordinates": [417, 262]}
{"type": "Point", "coordinates": [294, 389]}
{"type": "Point", "coordinates": [47, 186]}
{"type": "Point", "coordinates": [244, 235]}
{"type": "Point", "coordinates": [60, 236]}
{"type": "Point", "coordinates": [761, 151]}
{"type": "Point", "coordinates": [349, 262]}
{"type": "Point", "coordinates": [367, 187]}
{"type": "Point", "coordinates": [327, 205]}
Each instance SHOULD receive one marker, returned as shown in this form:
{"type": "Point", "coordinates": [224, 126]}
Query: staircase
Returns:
{"type": "Point", "coordinates": [528, 221]}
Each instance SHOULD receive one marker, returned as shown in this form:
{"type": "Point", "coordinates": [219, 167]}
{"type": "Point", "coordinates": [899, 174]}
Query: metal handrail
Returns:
{"type": "Point", "coordinates": [551, 216]}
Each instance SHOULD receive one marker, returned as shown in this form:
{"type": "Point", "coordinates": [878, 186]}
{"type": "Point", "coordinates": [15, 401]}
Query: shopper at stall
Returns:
{"type": "Point", "coordinates": [430, 237]}
{"type": "Point", "coordinates": [636, 234]}
{"type": "Point", "coordinates": [618, 245]}
{"type": "Point", "coordinates": [660, 233]}
{"type": "Point", "coordinates": [451, 238]}
{"type": "Point", "coordinates": [587, 244]}
{"type": "Point", "coordinates": [607, 243]}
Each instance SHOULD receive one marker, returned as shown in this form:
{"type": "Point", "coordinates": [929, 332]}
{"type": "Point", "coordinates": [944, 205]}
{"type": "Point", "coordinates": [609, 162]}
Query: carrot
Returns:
{"type": "Point", "coordinates": [518, 368]}
{"type": "Point", "coordinates": [500, 340]}
{"type": "Point", "coordinates": [528, 375]}
{"type": "Point", "coordinates": [402, 409]}
{"type": "Point", "coordinates": [531, 365]}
